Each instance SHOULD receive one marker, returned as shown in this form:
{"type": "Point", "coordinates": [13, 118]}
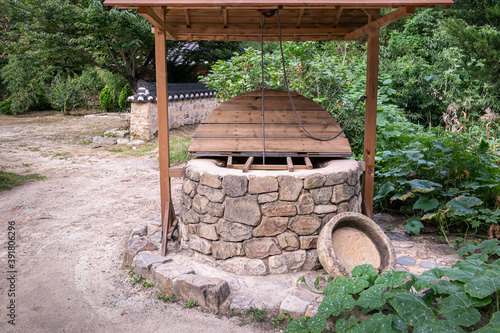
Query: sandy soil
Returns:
{"type": "Point", "coordinates": [71, 229]}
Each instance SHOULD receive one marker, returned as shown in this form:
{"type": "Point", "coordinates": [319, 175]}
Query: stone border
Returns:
{"type": "Point", "coordinates": [263, 222]}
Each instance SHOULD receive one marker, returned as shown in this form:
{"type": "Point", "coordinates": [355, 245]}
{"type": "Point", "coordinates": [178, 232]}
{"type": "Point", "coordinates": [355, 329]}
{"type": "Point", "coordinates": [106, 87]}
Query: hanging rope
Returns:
{"type": "Point", "coordinates": [262, 86]}
{"type": "Point", "coordinates": [361, 99]}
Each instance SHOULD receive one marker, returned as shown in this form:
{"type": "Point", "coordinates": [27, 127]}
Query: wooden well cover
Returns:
{"type": "Point", "coordinates": [235, 128]}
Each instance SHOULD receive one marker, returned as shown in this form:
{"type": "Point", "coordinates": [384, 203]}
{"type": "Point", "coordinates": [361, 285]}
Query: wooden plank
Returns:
{"type": "Point", "coordinates": [163, 141]}
{"type": "Point", "coordinates": [270, 103]}
{"type": "Point", "coordinates": [246, 30]}
{"type": "Point", "coordinates": [156, 20]}
{"type": "Point", "coordinates": [240, 130]}
{"type": "Point", "coordinates": [248, 164]}
{"type": "Point", "coordinates": [172, 229]}
{"type": "Point", "coordinates": [176, 172]}
{"type": "Point", "coordinates": [302, 145]}
{"type": "Point", "coordinates": [289, 163]}
{"type": "Point", "coordinates": [275, 117]}
{"type": "Point", "coordinates": [370, 118]}
{"type": "Point", "coordinates": [164, 230]}
{"type": "Point", "coordinates": [308, 163]}
{"type": "Point", "coordinates": [230, 161]}
{"type": "Point", "coordinates": [268, 167]}
{"type": "Point", "coordinates": [384, 20]}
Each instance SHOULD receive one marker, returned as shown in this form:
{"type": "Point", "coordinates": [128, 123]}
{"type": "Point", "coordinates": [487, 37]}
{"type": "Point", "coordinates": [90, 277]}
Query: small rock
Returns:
{"type": "Point", "coordinates": [144, 262]}
{"type": "Point", "coordinates": [288, 241]}
{"type": "Point", "coordinates": [289, 188]}
{"type": "Point", "coordinates": [206, 218]}
{"type": "Point", "coordinates": [312, 261]}
{"type": "Point", "coordinates": [398, 236]}
{"type": "Point", "coordinates": [308, 242]}
{"type": "Point", "coordinates": [305, 203]}
{"type": "Point", "coordinates": [325, 209]}
{"type": "Point", "coordinates": [244, 266]}
{"type": "Point", "coordinates": [136, 245]}
{"type": "Point", "coordinates": [261, 247]}
{"type": "Point", "coordinates": [164, 274]}
{"type": "Point", "coordinates": [245, 210]}
{"type": "Point", "coordinates": [116, 132]}
{"type": "Point", "coordinates": [156, 239]}
{"type": "Point", "coordinates": [295, 306]}
{"type": "Point", "coordinates": [233, 283]}
{"type": "Point", "coordinates": [189, 187]}
{"type": "Point", "coordinates": [135, 143]}
{"type": "Point", "coordinates": [235, 186]}
{"type": "Point", "coordinates": [257, 185]}
{"type": "Point", "coordinates": [207, 231]}
{"type": "Point", "coordinates": [426, 264]}
{"type": "Point", "coordinates": [314, 181]}
{"type": "Point", "coordinates": [322, 196]}
{"type": "Point", "coordinates": [224, 250]}
{"type": "Point", "coordinates": [211, 180]}
{"type": "Point", "coordinates": [287, 262]}
{"type": "Point", "coordinates": [209, 292]}
{"type": "Point", "coordinates": [342, 192]}
{"type": "Point", "coordinates": [191, 173]}
{"type": "Point", "coordinates": [279, 208]}
{"type": "Point", "coordinates": [422, 254]}
{"type": "Point", "coordinates": [406, 261]}
{"type": "Point", "coordinates": [304, 225]}
{"type": "Point", "coordinates": [268, 197]}
{"type": "Point", "coordinates": [99, 141]}
{"type": "Point", "coordinates": [442, 249]}
{"type": "Point", "coordinates": [199, 244]}
{"type": "Point", "coordinates": [241, 303]}
{"type": "Point", "coordinates": [191, 216]}
{"type": "Point", "coordinates": [271, 226]}
{"type": "Point", "coordinates": [233, 232]}
{"type": "Point", "coordinates": [140, 231]}
{"type": "Point", "coordinates": [215, 209]}
{"type": "Point", "coordinates": [211, 193]}
{"type": "Point", "coordinates": [200, 203]}
{"type": "Point", "coordinates": [122, 141]}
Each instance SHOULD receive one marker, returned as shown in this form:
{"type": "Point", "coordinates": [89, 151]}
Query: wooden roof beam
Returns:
{"type": "Point", "coordinates": [337, 17]}
{"type": "Point", "coordinates": [149, 14]}
{"type": "Point", "coordinates": [299, 19]}
{"type": "Point", "coordinates": [244, 31]}
{"type": "Point", "coordinates": [384, 20]}
{"type": "Point", "coordinates": [372, 14]}
{"type": "Point", "coordinates": [187, 18]}
{"type": "Point", "coordinates": [224, 17]}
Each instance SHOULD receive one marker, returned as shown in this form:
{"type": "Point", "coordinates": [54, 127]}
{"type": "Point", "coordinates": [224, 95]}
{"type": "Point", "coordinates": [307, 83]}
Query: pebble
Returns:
{"type": "Point", "coordinates": [406, 261]}
{"type": "Point", "coordinates": [426, 264]}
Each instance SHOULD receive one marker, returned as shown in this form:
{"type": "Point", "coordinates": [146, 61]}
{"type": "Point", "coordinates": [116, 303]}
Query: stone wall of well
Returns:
{"type": "Point", "coordinates": [144, 116]}
{"type": "Point", "coordinates": [263, 222]}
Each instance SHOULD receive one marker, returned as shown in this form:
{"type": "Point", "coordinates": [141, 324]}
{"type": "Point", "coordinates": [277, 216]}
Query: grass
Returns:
{"type": "Point", "coordinates": [10, 180]}
{"type": "Point", "coordinates": [179, 150]}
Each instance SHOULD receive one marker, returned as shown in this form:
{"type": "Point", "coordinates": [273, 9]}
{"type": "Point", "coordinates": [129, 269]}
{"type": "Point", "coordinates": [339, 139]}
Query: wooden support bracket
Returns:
{"type": "Point", "coordinates": [289, 163]}
{"type": "Point", "coordinates": [248, 164]}
{"type": "Point", "coordinates": [309, 165]}
{"type": "Point", "coordinates": [149, 14]}
{"type": "Point", "coordinates": [230, 161]}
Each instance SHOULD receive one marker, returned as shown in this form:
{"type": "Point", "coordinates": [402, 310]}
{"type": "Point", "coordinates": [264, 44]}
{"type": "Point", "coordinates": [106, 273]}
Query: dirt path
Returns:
{"type": "Point", "coordinates": [71, 229]}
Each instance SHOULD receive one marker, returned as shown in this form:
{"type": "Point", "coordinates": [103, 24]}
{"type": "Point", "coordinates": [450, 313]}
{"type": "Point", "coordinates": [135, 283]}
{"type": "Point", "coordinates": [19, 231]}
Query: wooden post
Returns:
{"type": "Point", "coordinates": [162, 100]}
{"type": "Point", "coordinates": [370, 120]}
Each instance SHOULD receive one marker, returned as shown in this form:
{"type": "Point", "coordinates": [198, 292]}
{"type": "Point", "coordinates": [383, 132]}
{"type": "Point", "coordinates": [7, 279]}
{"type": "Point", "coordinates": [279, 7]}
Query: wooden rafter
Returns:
{"type": "Point", "coordinates": [337, 17]}
{"type": "Point", "coordinates": [188, 19]}
{"type": "Point", "coordinates": [299, 19]}
{"type": "Point", "coordinates": [149, 14]}
{"type": "Point", "coordinates": [384, 20]}
{"type": "Point", "coordinates": [241, 31]}
{"type": "Point", "coordinates": [224, 18]}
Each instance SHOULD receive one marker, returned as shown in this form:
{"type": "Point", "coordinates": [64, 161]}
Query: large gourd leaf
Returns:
{"type": "Point", "coordinates": [303, 325]}
{"type": "Point", "coordinates": [378, 323]}
{"type": "Point", "coordinates": [423, 186]}
{"type": "Point", "coordinates": [442, 326]}
{"type": "Point", "coordinates": [426, 203]}
{"type": "Point", "coordinates": [348, 285]}
{"type": "Point", "coordinates": [372, 297]}
{"type": "Point", "coordinates": [471, 265]}
{"type": "Point", "coordinates": [463, 206]}
{"type": "Point", "coordinates": [342, 325]}
{"type": "Point", "coordinates": [384, 190]}
{"type": "Point", "coordinates": [336, 304]}
{"type": "Point", "coordinates": [410, 307]}
{"type": "Point", "coordinates": [392, 279]}
{"type": "Point", "coordinates": [459, 309]}
{"type": "Point", "coordinates": [483, 286]}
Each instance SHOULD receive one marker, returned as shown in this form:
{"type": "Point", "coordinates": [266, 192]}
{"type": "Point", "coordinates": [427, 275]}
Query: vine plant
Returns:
{"type": "Point", "coordinates": [464, 298]}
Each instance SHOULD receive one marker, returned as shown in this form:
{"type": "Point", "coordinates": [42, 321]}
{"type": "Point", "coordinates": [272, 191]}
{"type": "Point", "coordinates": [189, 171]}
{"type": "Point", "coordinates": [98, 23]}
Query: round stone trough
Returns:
{"type": "Point", "coordinates": [263, 221]}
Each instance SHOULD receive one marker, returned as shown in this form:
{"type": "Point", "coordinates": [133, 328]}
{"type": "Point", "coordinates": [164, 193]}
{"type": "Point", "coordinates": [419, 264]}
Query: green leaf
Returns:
{"type": "Point", "coordinates": [364, 270]}
{"type": "Point", "coordinates": [297, 326]}
{"type": "Point", "coordinates": [402, 196]}
{"type": "Point", "coordinates": [442, 326]}
{"type": "Point", "coordinates": [489, 246]}
{"type": "Point", "coordinates": [431, 216]}
{"type": "Point", "coordinates": [444, 287]}
{"type": "Point", "coordinates": [483, 286]}
{"type": "Point", "coordinates": [378, 323]}
{"type": "Point", "coordinates": [426, 204]}
{"type": "Point", "coordinates": [342, 325]}
{"type": "Point", "coordinates": [316, 324]}
{"type": "Point", "coordinates": [413, 225]}
{"type": "Point", "coordinates": [423, 186]}
{"type": "Point", "coordinates": [422, 281]}
{"type": "Point", "coordinates": [469, 248]}
{"type": "Point", "coordinates": [399, 325]}
{"type": "Point", "coordinates": [336, 304]}
{"type": "Point", "coordinates": [495, 320]}
{"type": "Point", "coordinates": [372, 297]}
{"type": "Point", "coordinates": [391, 279]}
{"type": "Point", "coordinates": [384, 190]}
{"type": "Point", "coordinates": [350, 285]}
{"type": "Point", "coordinates": [471, 265]}
{"type": "Point", "coordinates": [459, 309]}
{"type": "Point", "coordinates": [462, 206]}
{"type": "Point", "coordinates": [411, 308]}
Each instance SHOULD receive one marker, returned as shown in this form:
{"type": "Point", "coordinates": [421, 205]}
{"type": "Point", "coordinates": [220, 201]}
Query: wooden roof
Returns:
{"type": "Point", "coordinates": [301, 20]}
{"type": "Point", "coordinates": [235, 128]}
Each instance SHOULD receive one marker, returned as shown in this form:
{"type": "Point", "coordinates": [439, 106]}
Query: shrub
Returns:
{"type": "Point", "coordinates": [107, 100]}
{"type": "Point", "coordinates": [126, 92]}
{"type": "Point", "coordinates": [5, 107]}
{"type": "Point", "coordinates": [66, 94]}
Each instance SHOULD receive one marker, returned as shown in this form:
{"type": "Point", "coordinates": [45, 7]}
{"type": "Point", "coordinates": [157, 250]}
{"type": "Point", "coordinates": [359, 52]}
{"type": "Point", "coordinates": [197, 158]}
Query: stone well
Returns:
{"type": "Point", "coordinates": [263, 222]}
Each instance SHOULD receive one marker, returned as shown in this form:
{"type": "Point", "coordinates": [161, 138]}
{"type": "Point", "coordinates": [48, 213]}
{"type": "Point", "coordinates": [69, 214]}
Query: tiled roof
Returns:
{"type": "Point", "coordinates": [176, 91]}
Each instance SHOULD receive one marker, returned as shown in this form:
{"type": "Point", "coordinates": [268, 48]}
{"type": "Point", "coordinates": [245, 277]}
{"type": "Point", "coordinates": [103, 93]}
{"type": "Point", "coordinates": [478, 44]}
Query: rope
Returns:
{"type": "Point", "coordinates": [361, 99]}
{"type": "Point", "coordinates": [262, 86]}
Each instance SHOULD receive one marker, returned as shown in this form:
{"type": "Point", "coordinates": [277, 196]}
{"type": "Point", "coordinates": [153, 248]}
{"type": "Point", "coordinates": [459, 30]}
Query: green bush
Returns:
{"type": "Point", "coordinates": [122, 100]}
{"type": "Point", "coordinates": [6, 107]}
{"type": "Point", "coordinates": [107, 100]}
{"type": "Point", "coordinates": [459, 299]}
{"type": "Point", "coordinates": [66, 94]}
